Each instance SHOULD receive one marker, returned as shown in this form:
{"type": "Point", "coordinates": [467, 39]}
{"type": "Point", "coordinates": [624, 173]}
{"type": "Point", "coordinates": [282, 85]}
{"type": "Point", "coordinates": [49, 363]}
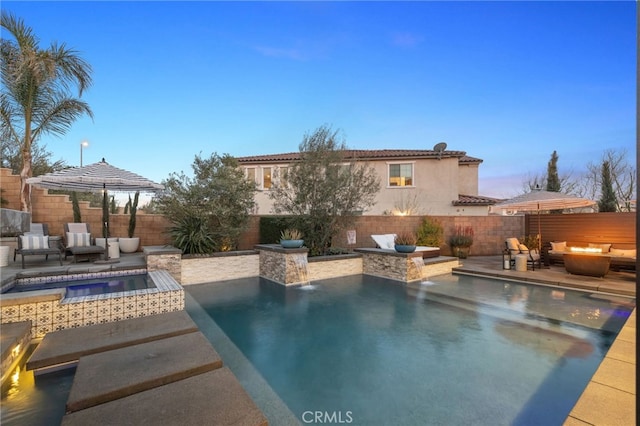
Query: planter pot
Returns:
{"type": "Point", "coordinates": [405, 248]}
{"type": "Point", "coordinates": [461, 252]}
{"type": "Point", "coordinates": [129, 245]}
{"type": "Point", "coordinates": [291, 243]}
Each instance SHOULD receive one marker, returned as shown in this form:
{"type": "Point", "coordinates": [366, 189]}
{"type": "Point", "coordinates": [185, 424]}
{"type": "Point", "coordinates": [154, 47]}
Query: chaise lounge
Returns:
{"type": "Point", "coordinates": [387, 242]}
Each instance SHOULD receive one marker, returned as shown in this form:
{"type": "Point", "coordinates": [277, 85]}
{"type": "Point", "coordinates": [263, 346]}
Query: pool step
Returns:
{"type": "Point", "coordinates": [212, 398]}
{"type": "Point", "coordinates": [119, 373]}
{"type": "Point", "coordinates": [64, 348]}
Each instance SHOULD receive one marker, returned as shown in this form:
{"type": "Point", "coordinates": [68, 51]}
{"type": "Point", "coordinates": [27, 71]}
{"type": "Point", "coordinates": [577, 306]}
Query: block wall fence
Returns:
{"type": "Point", "coordinates": [490, 231]}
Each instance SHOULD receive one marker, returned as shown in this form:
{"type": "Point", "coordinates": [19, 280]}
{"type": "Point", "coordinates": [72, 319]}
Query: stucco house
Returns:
{"type": "Point", "coordinates": [414, 182]}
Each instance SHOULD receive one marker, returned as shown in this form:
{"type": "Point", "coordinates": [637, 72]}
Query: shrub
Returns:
{"type": "Point", "coordinates": [191, 235]}
{"type": "Point", "coordinates": [405, 239]}
{"type": "Point", "coordinates": [290, 234]}
{"type": "Point", "coordinates": [462, 237]}
{"type": "Point", "coordinates": [430, 233]}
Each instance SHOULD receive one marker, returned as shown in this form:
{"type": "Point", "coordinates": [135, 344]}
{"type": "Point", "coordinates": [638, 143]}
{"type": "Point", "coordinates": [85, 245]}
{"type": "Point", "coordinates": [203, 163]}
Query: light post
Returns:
{"type": "Point", "coordinates": [82, 145]}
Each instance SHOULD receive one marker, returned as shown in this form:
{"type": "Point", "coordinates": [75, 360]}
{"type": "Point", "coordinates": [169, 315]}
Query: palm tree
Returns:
{"type": "Point", "coordinates": [35, 97]}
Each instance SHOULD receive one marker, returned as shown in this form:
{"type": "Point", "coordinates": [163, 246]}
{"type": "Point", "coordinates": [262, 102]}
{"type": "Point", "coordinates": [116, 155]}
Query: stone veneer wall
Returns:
{"type": "Point", "coordinates": [284, 266]}
{"type": "Point", "coordinates": [391, 265]}
{"type": "Point", "coordinates": [334, 266]}
{"type": "Point", "coordinates": [164, 258]}
{"type": "Point", "coordinates": [220, 267]}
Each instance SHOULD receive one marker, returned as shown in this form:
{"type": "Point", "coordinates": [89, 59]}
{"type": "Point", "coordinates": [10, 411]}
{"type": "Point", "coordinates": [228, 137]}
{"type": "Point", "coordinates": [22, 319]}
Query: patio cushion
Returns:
{"type": "Point", "coordinates": [523, 249]}
{"type": "Point", "coordinates": [559, 246]}
{"type": "Point", "coordinates": [77, 239]}
{"type": "Point", "coordinates": [604, 247]}
{"type": "Point", "coordinates": [385, 241]}
{"type": "Point", "coordinates": [34, 241]}
{"type": "Point", "coordinates": [623, 253]}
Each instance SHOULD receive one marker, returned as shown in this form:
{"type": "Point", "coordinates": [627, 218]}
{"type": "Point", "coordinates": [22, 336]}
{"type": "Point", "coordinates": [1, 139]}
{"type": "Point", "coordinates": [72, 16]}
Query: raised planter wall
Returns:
{"type": "Point", "coordinates": [325, 267]}
{"type": "Point", "coordinates": [220, 267]}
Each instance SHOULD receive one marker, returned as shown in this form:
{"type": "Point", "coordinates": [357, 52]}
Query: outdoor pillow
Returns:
{"type": "Point", "coordinates": [559, 246]}
{"type": "Point", "coordinates": [604, 247]}
{"type": "Point", "coordinates": [77, 239]}
{"type": "Point", "coordinates": [34, 241]}
{"type": "Point", "coordinates": [622, 252]}
{"type": "Point", "coordinates": [523, 249]}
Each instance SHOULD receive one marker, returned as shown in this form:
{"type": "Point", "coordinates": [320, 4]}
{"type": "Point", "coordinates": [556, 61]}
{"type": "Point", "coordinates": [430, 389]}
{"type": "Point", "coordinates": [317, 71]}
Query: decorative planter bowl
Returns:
{"type": "Point", "coordinates": [129, 245]}
{"type": "Point", "coordinates": [405, 248]}
{"type": "Point", "coordinates": [291, 243]}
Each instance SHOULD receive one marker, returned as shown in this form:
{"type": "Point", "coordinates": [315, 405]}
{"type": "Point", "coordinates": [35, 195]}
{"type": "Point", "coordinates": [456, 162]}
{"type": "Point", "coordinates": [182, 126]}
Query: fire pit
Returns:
{"type": "Point", "coordinates": [587, 261]}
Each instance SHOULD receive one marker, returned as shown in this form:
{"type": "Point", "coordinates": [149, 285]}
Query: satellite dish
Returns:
{"type": "Point", "coordinates": [439, 148]}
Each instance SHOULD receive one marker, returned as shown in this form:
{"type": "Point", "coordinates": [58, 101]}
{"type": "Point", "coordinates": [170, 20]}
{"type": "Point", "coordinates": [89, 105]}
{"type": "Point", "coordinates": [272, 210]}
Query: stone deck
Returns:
{"type": "Point", "coordinates": [67, 346]}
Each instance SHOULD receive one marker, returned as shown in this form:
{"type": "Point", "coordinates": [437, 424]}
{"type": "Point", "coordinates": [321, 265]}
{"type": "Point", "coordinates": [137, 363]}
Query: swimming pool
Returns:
{"type": "Point", "coordinates": [456, 350]}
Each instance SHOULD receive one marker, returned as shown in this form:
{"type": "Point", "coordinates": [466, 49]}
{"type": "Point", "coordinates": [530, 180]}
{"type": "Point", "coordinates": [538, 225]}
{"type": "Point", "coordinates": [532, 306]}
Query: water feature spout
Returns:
{"type": "Point", "coordinates": [300, 268]}
{"type": "Point", "coordinates": [419, 262]}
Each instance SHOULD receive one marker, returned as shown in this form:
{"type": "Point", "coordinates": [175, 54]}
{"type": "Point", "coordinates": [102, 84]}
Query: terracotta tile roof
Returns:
{"type": "Point", "coordinates": [362, 154]}
{"type": "Point", "coordinates": [475, 200]}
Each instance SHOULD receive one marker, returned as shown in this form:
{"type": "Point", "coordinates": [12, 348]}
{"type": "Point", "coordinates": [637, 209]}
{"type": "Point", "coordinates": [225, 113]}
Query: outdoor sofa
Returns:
{"type": "Point", "coordinates": [622, 256]}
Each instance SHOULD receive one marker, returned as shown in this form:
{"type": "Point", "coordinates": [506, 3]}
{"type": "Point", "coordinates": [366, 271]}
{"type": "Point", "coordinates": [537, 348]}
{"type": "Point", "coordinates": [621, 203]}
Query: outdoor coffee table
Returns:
{"type": "Point", "coordinates": [593, 265]}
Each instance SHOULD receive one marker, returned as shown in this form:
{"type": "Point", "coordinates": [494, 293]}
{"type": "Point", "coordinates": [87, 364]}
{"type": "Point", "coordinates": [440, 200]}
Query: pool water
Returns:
{"type": "Point", "coordinates": [457, 350]}
{"type": "Point", "coordinates": [89, 287]}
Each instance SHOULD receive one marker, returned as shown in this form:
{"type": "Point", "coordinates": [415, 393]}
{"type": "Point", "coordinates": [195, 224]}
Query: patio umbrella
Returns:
{"type": "Point", "coordinates": [96, 177]}
{"type": "Point", "coordinates": [539, 200]}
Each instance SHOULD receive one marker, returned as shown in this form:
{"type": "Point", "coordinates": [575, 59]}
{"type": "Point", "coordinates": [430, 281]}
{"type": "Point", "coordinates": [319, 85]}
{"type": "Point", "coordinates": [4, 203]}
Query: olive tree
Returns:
{"type": "Point", "coordinates": [210, 210]}
{"type": "Point", "coordinates": [324, 189]}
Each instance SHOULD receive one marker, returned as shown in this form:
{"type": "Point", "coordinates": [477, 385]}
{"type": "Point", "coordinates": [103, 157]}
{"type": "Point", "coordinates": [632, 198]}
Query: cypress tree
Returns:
{"type": "Point", "coordinates": [553, 181]}
{"type": "Point", "coordinates": [607, 202]}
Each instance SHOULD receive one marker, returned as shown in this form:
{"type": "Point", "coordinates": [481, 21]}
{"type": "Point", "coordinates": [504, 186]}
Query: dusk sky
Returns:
{"type": "Point", "coordinates": [506, 82]}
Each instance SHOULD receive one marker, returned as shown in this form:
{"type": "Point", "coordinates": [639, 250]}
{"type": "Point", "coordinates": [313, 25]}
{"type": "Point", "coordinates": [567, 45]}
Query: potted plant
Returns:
{"type": "Point", "coordinates": [291, 238]}
{"type": "Point", "coordinates": [461, 241]}
{"type": "Point", "coordinates": [130, 244]}
{"type": "Point", "coordinates": [405, 242]}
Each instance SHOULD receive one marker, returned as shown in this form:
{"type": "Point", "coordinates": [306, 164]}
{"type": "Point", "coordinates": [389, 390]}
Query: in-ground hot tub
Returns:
{"type": "Point", "coordinates": [57, 308]}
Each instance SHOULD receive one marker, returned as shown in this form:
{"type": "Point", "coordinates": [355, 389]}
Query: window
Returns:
{"type": "Point", "coordinates": [401, 174]}
{"type": "Point", "coordinates": [251, 174]}
{"type": "Point", "coordinates": [266, 177]}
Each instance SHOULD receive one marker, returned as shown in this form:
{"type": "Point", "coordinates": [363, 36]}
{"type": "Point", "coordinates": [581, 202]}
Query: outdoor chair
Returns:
{"type": "Point", "coordinates": [79, 244]}
{"type": "Point", "coordinates": [515, 248]}
{"type": "Point", "coordinates": [36, 242]}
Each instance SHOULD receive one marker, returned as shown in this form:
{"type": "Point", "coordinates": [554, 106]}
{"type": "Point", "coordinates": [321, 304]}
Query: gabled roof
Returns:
{"type": "Point", "coordinates": [475, 200]}
{"type": "Point", "coordinates": [366, 155]}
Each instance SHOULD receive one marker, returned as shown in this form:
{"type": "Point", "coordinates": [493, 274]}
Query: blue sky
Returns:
{"type": "Point", "coordinates": [507, 82]}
